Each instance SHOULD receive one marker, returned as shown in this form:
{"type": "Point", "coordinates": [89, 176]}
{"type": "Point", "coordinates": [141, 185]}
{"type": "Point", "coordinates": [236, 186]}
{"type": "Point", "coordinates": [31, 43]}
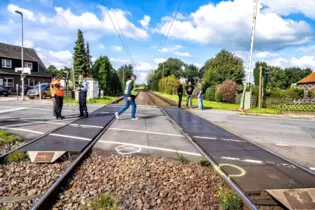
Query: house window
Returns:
{"type": "Point", "coordinates": [29, 65]}
{"type": "Point", "coordinates": [8, 82]}
{"type": "Point", "coordinates": [31, 82]}
{"type": "Point", "coordinates": [6, 63]}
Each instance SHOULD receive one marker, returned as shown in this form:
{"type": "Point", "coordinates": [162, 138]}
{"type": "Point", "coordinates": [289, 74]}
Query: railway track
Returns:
{"type": "Point", "coordinates": [254, 173]}
{"type": "Point", "coordinates": [26, 185]}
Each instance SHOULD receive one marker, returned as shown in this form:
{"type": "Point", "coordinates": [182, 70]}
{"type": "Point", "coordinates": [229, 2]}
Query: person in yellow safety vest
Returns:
{"type": "Point", "coordinates": [59, 94]}
{"type": "Point", "coordinates": [129, 95]}
{"type": "Point", "coordinates": [52, 93]}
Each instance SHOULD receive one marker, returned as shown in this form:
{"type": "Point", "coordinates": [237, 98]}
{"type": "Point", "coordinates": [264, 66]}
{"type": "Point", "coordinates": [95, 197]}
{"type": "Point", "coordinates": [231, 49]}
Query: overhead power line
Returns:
{"type": "Point", "coordinates": [125, 46]}
{"type": "Point", "coordinates": [169, 29]}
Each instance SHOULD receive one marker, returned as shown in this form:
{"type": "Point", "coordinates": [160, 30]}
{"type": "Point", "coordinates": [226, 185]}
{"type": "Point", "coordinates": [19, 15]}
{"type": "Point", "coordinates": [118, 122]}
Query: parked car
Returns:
{"type": "Point", "coordinates": [4, 91]}
{"type": "Point", "coordinates": [34, 92]}
{"type": "Point", "coordinates": [26, 89]}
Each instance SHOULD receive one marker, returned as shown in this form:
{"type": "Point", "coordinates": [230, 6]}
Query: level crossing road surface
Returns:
{"type": "Point", "coordinates": [290, 138]}
{"type": "Point", "coordinates": [31, 120]}
{"type": "Point", "coordinates": [152, 134]}
{"type": "Point", "coordinates": [249, 166]}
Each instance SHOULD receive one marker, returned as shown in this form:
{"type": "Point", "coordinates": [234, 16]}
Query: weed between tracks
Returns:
{"type": "Point", "coordinates": [229, 200]}
{"type": "Point", "coordinates": [104, 201]}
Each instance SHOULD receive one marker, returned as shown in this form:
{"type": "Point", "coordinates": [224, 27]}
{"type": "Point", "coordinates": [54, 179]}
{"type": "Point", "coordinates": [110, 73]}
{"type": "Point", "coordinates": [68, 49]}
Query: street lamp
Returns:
{"type": "Point", "coordinates": [22, 61]}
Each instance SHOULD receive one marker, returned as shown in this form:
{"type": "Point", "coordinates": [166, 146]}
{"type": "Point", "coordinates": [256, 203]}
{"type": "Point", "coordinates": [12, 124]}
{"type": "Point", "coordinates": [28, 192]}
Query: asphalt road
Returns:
{"type": "Point", "coordinates": [32, 120]}
{"type": "Point", "coordinates": [291, 138]}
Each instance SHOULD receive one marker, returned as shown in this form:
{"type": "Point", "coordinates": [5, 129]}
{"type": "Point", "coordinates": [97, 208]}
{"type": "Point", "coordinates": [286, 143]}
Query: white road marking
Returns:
{"type": "Point", "coordinates": [12, 110]}
{"type": "Point", "coordinates": [70, 137]}
{"type": "Point", "coordinates": [148, 132]}
{"type": "Point", "coordinates": [234, 140]}
{"type": "Point", "coordinates": [21, 129]}
{"type": "Point", "coordinates": [214, 138]}
{"type": "Point", "coordinates": [149, 147]}
{"type": "Point", "coordinates": [230, 158]}
{"type": "Point", "coordinates": [283, 145]}
{"type": "Point", "coordinates": [252, 161]}
{"type": "Point", "coordinates": [41, 109]}
{"type": "Point", "coordinates": [312, 168]}
{"type": "Point", "coordinates": [127, 150]}
{"type": "Point", "coordinates": [204, 137]}
{"type": "Point", "coordinates": [85, 126]}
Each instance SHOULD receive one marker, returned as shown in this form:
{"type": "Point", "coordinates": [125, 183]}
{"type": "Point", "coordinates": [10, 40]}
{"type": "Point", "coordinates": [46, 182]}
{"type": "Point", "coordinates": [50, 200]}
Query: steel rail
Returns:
{"type": "Point", "coordinates": [254, 143]}
{"type": "Point", "coordinates": [44, 200]}
{"type": "Point", "coordinates": [212, 162]}
{"type": "Point", "coordinates": [49, 132]}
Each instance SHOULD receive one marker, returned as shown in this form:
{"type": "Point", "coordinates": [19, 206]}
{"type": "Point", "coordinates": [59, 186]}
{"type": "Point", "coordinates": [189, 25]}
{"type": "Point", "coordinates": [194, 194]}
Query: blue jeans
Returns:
{"type": "Point", "coordinates": [133, 107]}
{"type": "Point", "coordinates": [200, 102]}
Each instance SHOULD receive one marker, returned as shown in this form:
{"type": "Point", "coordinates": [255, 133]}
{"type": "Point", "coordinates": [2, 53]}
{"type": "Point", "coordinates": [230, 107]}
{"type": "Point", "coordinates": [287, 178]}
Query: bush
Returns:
{"type": "Point", "coordinates": [204, 162]}
{"type": "Point", "coordinates": [295, 93]}
{"type": "Point", "coordinates": [103, 202]}
{"type": "Point", "coordinates": [210, 93]}
{"type": "Point", "coordinates": [168, 85]}
{"type": "Point", "coordinates": [228, 90]}
{"type": "Point", "coordinates": [16, 156]}
{"type": "Point", "coordinates": [229, 200]}
{"type": "Point", "coordinates": [218, 97]}
{"type": "Point", "coordinates": [182, 158]}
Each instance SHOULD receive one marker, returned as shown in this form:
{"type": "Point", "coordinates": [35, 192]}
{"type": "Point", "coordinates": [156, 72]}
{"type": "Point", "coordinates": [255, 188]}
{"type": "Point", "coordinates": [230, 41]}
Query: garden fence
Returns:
{"type": "Point", "coordinates": [291, 105]}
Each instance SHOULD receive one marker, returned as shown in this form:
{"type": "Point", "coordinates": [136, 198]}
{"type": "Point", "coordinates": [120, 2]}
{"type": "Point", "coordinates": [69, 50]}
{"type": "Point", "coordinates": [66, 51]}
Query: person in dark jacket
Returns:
{"type": "Point", "coordinates": [189, 92]}
{"type": "Point", "coordinates": [180, 93]}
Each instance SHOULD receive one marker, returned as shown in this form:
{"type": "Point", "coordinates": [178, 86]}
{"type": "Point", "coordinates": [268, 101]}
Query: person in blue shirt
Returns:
{"type": "Point", "coordinates": [129, 95]}
{"type": "Point", "coordinates": [83, 88]}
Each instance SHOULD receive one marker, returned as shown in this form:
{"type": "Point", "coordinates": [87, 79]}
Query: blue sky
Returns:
{"type": "Point", "coordinates": [284, 33]}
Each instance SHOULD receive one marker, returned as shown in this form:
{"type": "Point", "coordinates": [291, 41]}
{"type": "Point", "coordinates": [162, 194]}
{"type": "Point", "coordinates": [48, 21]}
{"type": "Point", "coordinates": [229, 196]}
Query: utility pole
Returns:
{"type": "Point", "coordinates": [22, 56]}
{"type": "Point", "coordinates": [163, 77]}
{"type": "Point", "coordinates": [260, 86]}
{"type": "Point", "coordinates": [250, 53]}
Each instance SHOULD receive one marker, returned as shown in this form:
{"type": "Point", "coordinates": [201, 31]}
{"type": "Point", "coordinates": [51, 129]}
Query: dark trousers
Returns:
{"type": "Point", "coordinates": [59, 104]}
{"type": "Point", "coordinates": [82, 104]}
{"type": "Point", "coordinates": [54, 106]}
{"type": "Point", "coordinates": [180, 101]}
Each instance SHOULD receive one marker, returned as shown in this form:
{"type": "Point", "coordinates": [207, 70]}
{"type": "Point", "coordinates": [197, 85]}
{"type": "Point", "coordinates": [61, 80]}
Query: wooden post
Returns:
{"type": "Point", "coordinates": [260, 87]}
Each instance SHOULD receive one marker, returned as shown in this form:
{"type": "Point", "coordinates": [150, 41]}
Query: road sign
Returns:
{"type": "Point", "coordinates": [26, 70]}
{"type": "Point", "coordinates": [23, 75]}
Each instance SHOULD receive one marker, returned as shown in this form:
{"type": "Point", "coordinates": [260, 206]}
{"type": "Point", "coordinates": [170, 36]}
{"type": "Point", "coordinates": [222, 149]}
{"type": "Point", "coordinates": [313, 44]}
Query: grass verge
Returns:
{"type": "Point", "coordinates": [206, 104]}
{"type": "Point", "coordinates": [103, 201]}
{"type": "Point", "coordinates": [6, 138]}
{"type": "Point", "coordinates": [104, 100]}
{"type": "Point", "coordinates": [229, 200]}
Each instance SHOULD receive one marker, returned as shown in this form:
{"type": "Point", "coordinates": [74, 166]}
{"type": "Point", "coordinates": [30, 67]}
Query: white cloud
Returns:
{"type": "Point", "coordinates": [116, 48]}
{"type": "Point", "coordinates": [67, 20]}
{"type": "Point", "coordinates": [11, 22]}
{"type": "Point", "coordinates": [183, 54]}
{"type": "Point", "coordinates": [223, 24]}
{"type": "Point", "coordinates": [171, 49]}
{"type": "Point", "coordinates": [307, 50]}
{"type": "Point", "coordinates": [159, 60]}
{"type": "Point", "coordinates": [266, 54]}
{"type": "Point", "coordinates": [26, 43]}
{"type": "Point", "coordinates": [26, 13]}
{"type": "Point", "coordinates": [287, 7]}
{"type": "Point", "coordinates": [101, 46]}
{"type": "Point", "coordinates": [145, 21]}
{"type": "Point", "coordinates": [60, 59]}
{"type": "Point", "coordinates": [302, 62]}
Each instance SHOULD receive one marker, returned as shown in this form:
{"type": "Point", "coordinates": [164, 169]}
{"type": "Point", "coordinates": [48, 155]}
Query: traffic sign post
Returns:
{"type": "Point", "coordinates": [39, 91]}
{"type": "Point", "coordinates": [24, 71]}
{"type": "Point", "coordinates": [17, 92]}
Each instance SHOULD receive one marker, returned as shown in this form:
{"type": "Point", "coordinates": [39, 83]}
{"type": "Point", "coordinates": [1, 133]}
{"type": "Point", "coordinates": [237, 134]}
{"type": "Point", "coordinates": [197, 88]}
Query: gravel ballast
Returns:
{"type": "Point", "coordinates": [23, 182]}
{"type": "Point", "coordinates": [141, 182]}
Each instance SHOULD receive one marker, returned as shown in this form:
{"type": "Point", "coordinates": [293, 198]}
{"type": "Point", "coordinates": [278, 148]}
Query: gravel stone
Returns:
{"type": "Point", "coordinates": [27, 179]}
{"type": "Point", "coordinates": [142, 182]}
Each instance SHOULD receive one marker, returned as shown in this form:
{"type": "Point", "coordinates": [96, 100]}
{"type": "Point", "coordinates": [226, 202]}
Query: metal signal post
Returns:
{"type": "Point", "coordinates": [251, 52]}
